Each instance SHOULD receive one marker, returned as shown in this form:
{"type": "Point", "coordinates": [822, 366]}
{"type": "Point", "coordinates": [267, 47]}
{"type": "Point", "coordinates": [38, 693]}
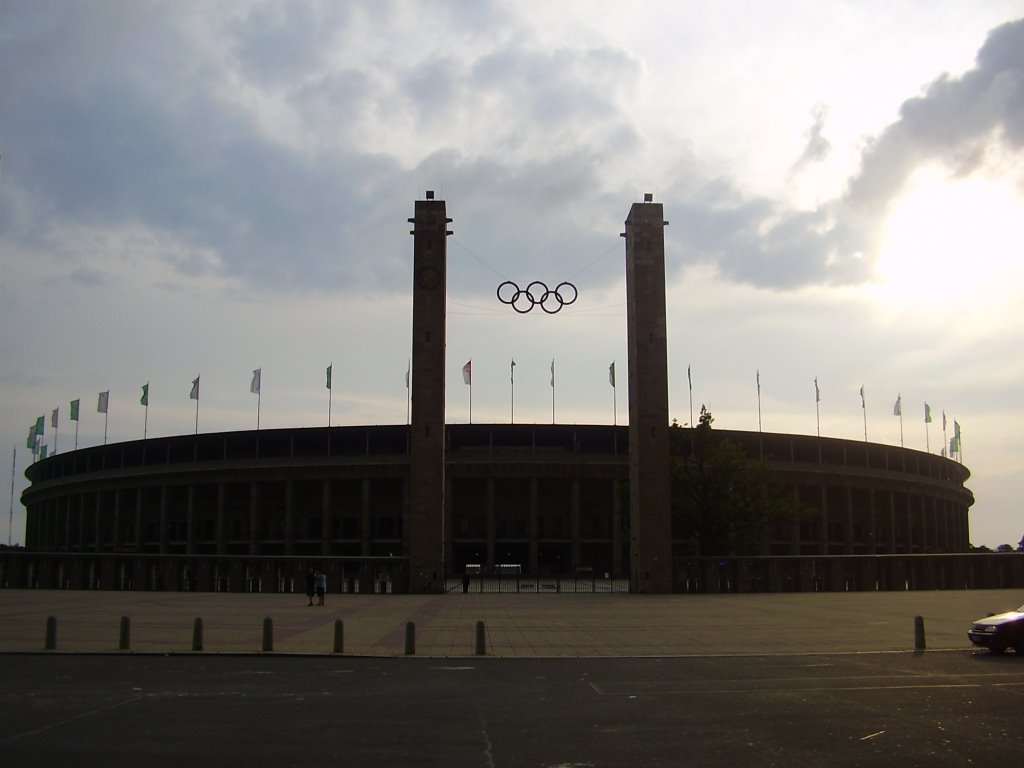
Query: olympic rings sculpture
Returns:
{"type": "Point", "coordinates": [537, 293]}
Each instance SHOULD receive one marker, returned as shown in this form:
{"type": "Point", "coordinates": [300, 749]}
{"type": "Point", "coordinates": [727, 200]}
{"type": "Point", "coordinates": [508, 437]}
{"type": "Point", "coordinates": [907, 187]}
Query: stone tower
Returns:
{"type": "Point", "coordinates": [649, 455]}
{"type": "Point", "coordinates": [425, 531]}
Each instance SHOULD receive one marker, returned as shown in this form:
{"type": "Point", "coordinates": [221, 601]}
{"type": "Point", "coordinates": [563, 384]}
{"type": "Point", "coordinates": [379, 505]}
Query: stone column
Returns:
{"type": "Point", "coordinates": [491, 522]}
{"type": "Point", "coordinates": [219, 527]}
{"type": "Point", "coordinates": [365, 522]}
{"type": "Point", "coordinates": [574, 525]}
{"type": "Point", "coordinates": [649, 455]}
{"type": "Point", "coordinates": [427, 430]}
{"type": "Point", "coordinates": [532, 525]}
{"type": "Point", "coordinates": [289, 517]}
{"type": "Point", "coordinates": [327, 521]}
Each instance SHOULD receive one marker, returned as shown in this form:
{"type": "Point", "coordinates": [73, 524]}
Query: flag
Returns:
{"type": "Point", "coordinates": [329, 375]}
{"type": "Point", "coordinates": [611, 374]}
{"type": "Point", "coordinates": [408, 372]}
{"type": "Point", "coordinates": [688, 379]}
{"type": "Point", "coordinates": [40, 427]}
{"type": "Point", "coordinates": [927, 414]}
{"type": "Point", "coordinates": [956, 431]}
{"type": "Point", "coordinates": [30, 441]}
{"type": "Point", "coordinates": [144, 400]}
{"type": "Point", "coordinates": [254, 385]}
{"type": "Point", "coordinates": [954, 445]}
{"type": "Point", "coordinates": [74, 410]}
{"type": "Point", "coordinates": [817, 392]}
{"type": "Point", "coordinates": [42, 451]}
{"type": "Point", "coordinates": [194, 394]}
{"type": "Point", "coordinates": [467, 372]}
{"type": "Point", "coordinates": [512, 371]}
{"type": "Point", "coordinates": [943, 421]}
{"type": "Point", "coordinates": [102, 401]}
{"type": "Point", "coordinates": [552, 373]}
{"type": "Point", "coordinates": [54, 417]}
{"type": "Point", "coordinates": [897, 408]}
{"type": "Point", "coordinates": [759, 382]}
{"type": "Point", "coordinates": [862, 398]}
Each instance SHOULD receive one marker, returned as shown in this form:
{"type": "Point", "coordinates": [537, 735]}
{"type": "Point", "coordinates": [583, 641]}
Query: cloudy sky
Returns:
{"type": "Point", "coordinates": [194, 188]}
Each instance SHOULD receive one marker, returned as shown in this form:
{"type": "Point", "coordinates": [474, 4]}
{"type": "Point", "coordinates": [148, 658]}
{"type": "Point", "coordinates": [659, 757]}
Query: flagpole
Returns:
{"type": "Point", "coordinates": [512, 392]}
{"type": "Point", "coordinates": [106, 419]}
{"type": "Point", "coordinates": [76, 434]}
{"type": "Point", "coordinates": [10, 517]}
{"type": "Point", "coordinates": [899, 412]}
{"type": "Point", "coordinates": [196, 383]}
{"type": "Point", "coordinates": [927, 421]}
{"type": "Point", "coordinates": [615, 404]}
{"type": "Point", "coordinates": [330, 393]}
{"type": "Point", "coordinates": [759, 401]}
{"type": "Point", "coordinates": [145, 418]}
{"type": "Point", "coordinates": [689, 381]}
{"type": "Point", "coordinates": [408, 392]}
{"type": "Point", "coordinates": [56, 431]}
{"type": "Point", "coordinates": [864, 408]}
{"type": "Point", "coordinates": [552, 390]}
{"type": "Point", "coordinates": [817, 406]}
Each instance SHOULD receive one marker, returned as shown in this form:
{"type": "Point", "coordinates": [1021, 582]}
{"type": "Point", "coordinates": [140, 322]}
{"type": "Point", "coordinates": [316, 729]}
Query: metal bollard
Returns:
{"type": "Point", "coordinates": [197, 635]}
{"type": "Point", "coordinates": [124, 641]}
{"type": "Point", "coordinates": [51, 633]}
{"type": "Point", "coordinates": [339, 636]}
{"type": "Point", "coordinates": [919, 643]}
{"type": "Point", "coordinates": [410, 638]}
{"type": "Point", "coordinates": [481, 639]}
{"type": "Point", "coordinates": [268, 635]}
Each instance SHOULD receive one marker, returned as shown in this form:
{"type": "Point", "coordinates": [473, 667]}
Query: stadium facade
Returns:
{"type": "Point", "coordinates": [426, 499]}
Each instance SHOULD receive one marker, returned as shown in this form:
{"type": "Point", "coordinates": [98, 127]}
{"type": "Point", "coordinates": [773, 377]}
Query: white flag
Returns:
{"type": "Point", "coordinates": [897, 409]}
{"type": "Point", "coordinates": [103, 401]}
{"type": "Point", "coordinates": [467, 372]}
{"type": "Point", "coordinates": [254, 386]}
{"type": "Point", "coordinates": [552, 373]}
{"type": "Point", "coordinates": [194, 394]}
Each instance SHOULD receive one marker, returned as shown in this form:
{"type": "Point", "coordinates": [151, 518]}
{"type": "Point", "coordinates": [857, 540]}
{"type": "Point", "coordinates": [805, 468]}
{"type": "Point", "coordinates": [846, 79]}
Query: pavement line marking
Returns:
{"type": "Point", "coordinates": [488, 747]}
{"type": "Point", "coordinates": [818, 689]}
{"type": "Point", "coordinates": [52, 726]}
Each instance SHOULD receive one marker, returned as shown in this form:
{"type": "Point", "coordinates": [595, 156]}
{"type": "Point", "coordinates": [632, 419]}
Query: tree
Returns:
{"type": "Point", "coordinates": [722, 500]}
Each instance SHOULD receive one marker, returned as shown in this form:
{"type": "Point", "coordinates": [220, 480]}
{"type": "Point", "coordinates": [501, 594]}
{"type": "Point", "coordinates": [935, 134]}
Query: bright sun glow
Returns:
{"type": "Point", "coordinates": [952, 240]}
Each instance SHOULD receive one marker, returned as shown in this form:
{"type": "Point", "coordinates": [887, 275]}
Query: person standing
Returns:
{"type": "Point", "coordinates": [310, 585]}
{"type": "Point", "coordinates": [321, 586]}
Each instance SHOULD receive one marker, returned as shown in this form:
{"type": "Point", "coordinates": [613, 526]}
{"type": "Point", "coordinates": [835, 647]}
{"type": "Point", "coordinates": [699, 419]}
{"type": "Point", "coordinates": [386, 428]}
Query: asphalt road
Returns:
{"type": "Point", "coordinates": [903, 709]}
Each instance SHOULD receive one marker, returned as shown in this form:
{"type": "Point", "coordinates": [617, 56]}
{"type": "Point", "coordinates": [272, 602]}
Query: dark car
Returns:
{"type": "Point", "coordinates": [999, 632]}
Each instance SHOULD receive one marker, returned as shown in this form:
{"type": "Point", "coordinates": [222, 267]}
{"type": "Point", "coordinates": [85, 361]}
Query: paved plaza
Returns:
{"type": "Point", "coordinates": [516, 625]}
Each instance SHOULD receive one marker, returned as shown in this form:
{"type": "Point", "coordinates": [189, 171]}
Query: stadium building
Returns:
{"type": "Point", "coordinates": [410, 506]}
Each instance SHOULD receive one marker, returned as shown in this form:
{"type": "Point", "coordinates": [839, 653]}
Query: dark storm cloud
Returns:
{"type": "Point", "coordinates": [121, 124]}
{"type": "Point", "coordinates": [111, 115]}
